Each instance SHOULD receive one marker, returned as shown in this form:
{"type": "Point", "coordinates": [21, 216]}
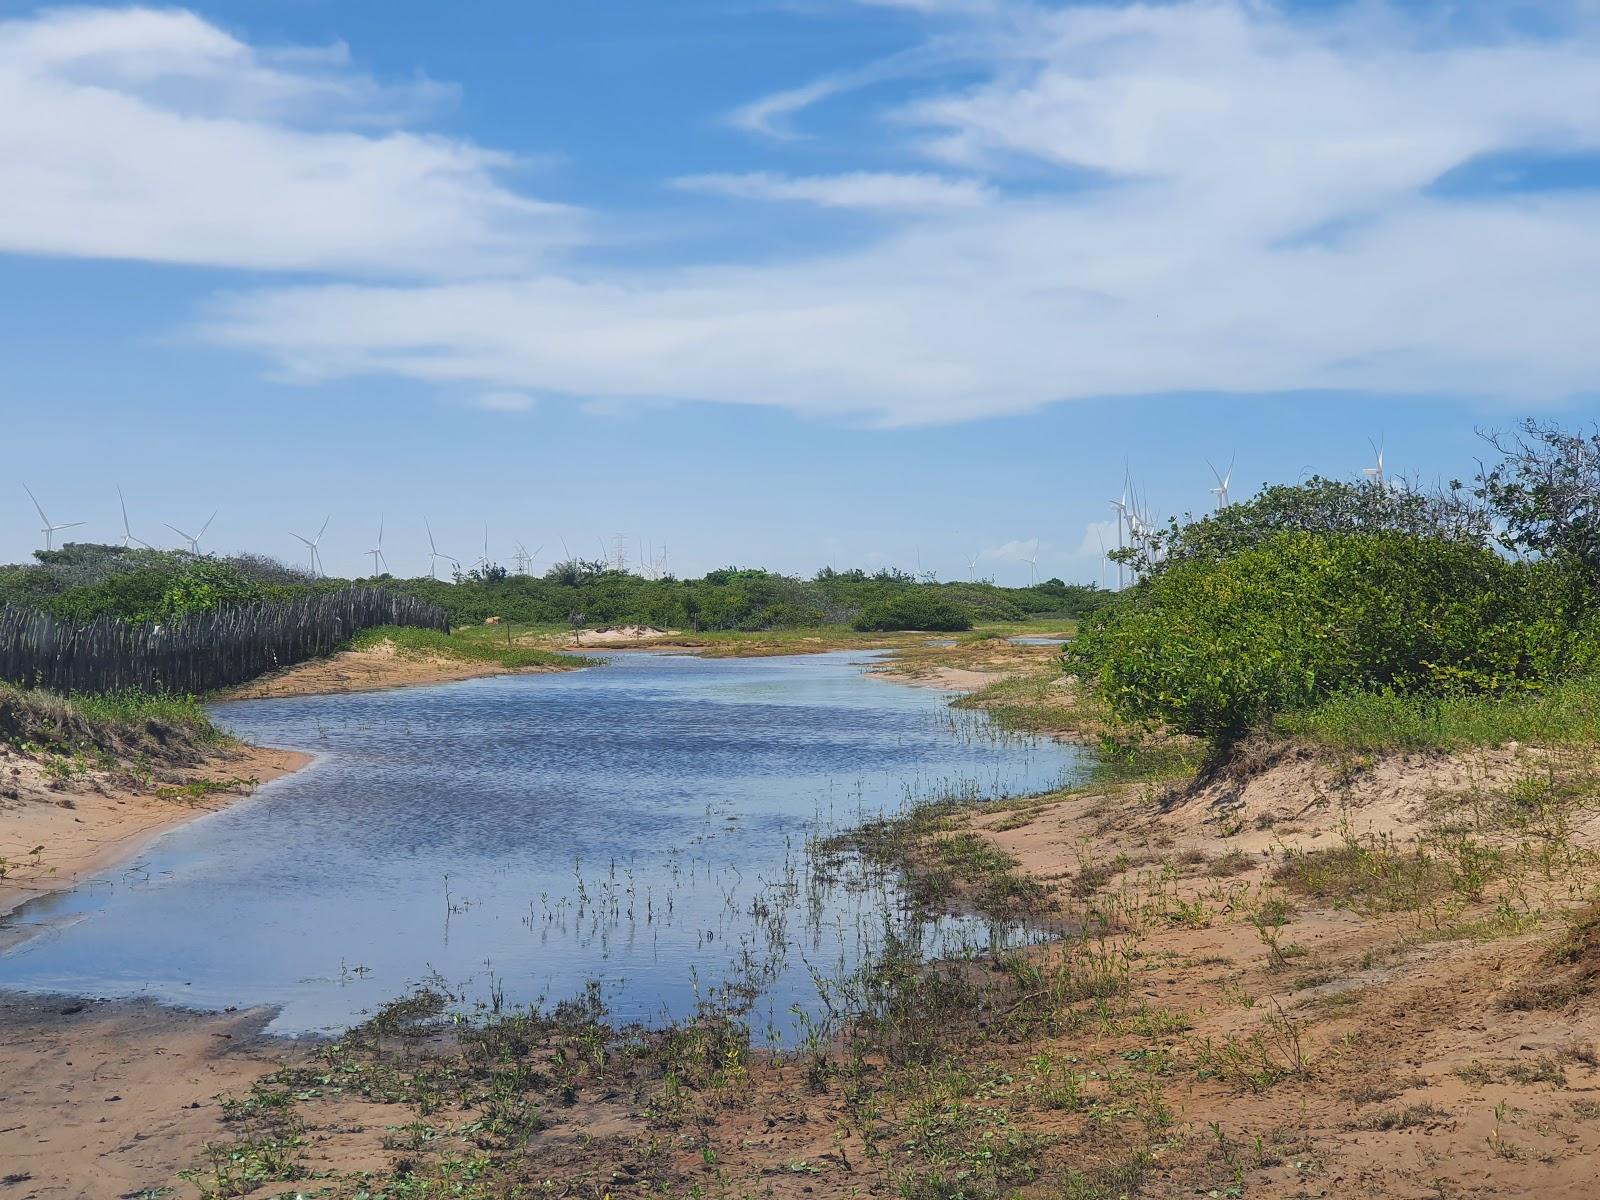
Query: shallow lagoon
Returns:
{"type": "Point", "coordinates": [643, 823]}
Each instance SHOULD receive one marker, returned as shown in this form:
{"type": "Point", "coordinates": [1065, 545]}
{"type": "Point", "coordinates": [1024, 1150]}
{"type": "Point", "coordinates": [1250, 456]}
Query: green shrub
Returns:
{"type": "Point", "coordinates": [1212, 648]}
{"type": "Point", "coordinates": [913, 610]}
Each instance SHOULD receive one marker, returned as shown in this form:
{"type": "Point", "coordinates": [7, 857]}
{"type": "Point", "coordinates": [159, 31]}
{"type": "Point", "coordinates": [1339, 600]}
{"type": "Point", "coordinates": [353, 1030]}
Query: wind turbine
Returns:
{"type": "Point", "coordinates": [311, 544]}
{"type": "Point", "coordinates": [972, 567]}
{"type": "Point", "coordinates": [127, 533]}
{"type": "Point", "coordinates": [1121, 507]}
{"type": "Point", "coordinates": [48, 530]}
{"type": "Point", "coordinates": [1221, 490]}
{"type": "Point", "coordinates": [1375, 473]}
{"type": "Point", "coordinates": [194, 538]}
{"type": "Point", "coordinates": [483, 559]}
{"type": "Point", "coordinates": [377, 552]}
{"type": "Point", "coordinates": [528, 559]}
{"type": "Point", "coordinates": [1033, 565]}
{"type": "Point", "coordinates": [434, 554]}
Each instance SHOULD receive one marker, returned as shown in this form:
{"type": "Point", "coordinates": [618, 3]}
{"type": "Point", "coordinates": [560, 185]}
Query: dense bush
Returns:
{"type": "Point", "coordinates": [83, 581]}
{"type": "Point", "coordinates": [1317, 505]}
{"type": "Point", "coordinates": [1212, 647]}
{"type": "Point", "coordinates": [914, 610]}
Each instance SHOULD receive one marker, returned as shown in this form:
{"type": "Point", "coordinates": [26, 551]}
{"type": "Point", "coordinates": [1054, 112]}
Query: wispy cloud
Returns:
{"type": "Point", "coordinates": [1265, 218]}
{"type": "Point", "coordinates": [909, 192]}
{"type": "Point", "coordinates": [1227, 132]}
{"type": "Point", "coordinates": [153, 134]}
{"type": "Point", "coordinates": [506, 402]}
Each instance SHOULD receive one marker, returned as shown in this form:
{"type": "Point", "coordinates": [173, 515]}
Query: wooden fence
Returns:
{"type": "Point", "coordinates": [199, 652]}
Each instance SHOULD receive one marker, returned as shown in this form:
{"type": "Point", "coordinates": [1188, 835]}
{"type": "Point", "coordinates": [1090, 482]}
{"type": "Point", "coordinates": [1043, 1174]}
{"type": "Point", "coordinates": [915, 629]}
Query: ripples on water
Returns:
{"type": "Point", "coordinates": [643, 823]}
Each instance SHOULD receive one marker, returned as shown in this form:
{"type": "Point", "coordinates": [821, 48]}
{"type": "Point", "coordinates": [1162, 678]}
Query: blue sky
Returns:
{"type": "Point", "coordinates": [857, 282]}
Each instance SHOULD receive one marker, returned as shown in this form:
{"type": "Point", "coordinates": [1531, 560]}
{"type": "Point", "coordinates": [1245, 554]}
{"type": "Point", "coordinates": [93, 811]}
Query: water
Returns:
{"type": "Point", "coordinates": [1038, 639]}
{"type": "Point", "coordinates": [643, 823]}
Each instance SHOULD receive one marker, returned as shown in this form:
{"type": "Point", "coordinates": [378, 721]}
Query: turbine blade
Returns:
{"type": "Point", "coordinates": [207, 525]}
{"type": "Point", "coordinates": [37, 507]}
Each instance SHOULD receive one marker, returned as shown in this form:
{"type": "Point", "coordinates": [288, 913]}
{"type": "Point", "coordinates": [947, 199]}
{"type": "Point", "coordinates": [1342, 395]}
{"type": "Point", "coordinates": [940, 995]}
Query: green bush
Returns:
{"type": "Point", "coordinates": [1212, 648]}
{"type": "Point", "coordinates": [913, 610]}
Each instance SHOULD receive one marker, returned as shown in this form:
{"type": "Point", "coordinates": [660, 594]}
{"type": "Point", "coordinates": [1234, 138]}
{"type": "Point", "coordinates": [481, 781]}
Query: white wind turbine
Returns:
{"type": "Point", "coordinates": [972, 567]}
{"type": "Point", "coordinates": [1375, 472]}
{"type": "Point", "coordinates": [483, 559]}
{"type": "Point", "coordinates": [435, 554]}
{"type": "Point", "coordinates": [48, 529]}
{"type": "Point", "coordinates": [1221, 490]}
{"type": "Point", "coordinates": [1033, 565]}
{"type": "Point", "coordinates": [312, 543]}
{"type": "Point", "coordinates": [194, 538]}
{"type": "Point", "coordinates": [1121, 507]}
{"type": "Point", "coordinates": [529, 559]}
{"type": "Point", "coordinates": [377, 552]}
{"type": "Point", "coordinates": [127, 533]}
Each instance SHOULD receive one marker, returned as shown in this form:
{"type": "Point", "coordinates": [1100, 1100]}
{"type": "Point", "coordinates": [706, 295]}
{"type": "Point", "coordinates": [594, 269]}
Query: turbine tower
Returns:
{"type": "Point", "coordinates": [377, 552]}
{"type": "Point", "coordinates": [1121, 507]}
{"type": "Point", "coordinates": [312, 543]}
{"type": "Point", "coordinates": [127, 533]}
{"type": "Point", "coordinates": [48, 529]}
{"type": "Point", "coordinates": [1221, 490]}
{"type": "Point", "coordinates": [194, 538]}
{"type": "Point", "coordinates": [435, 554]}
{"type": "Point", "coordinates": [1375, 472]}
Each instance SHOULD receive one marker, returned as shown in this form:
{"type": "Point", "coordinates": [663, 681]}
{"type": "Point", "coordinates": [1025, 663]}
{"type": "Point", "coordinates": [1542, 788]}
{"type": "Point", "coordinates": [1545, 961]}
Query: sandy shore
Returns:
{"type": "Point", "coordinates": [106, 1100]}
{"type": "Point", "coordinates": [54, 832]}
{"type": "Point", "coordinates": [367, 671]}
{"type": "Point", "coordinates": [1303, 1042]}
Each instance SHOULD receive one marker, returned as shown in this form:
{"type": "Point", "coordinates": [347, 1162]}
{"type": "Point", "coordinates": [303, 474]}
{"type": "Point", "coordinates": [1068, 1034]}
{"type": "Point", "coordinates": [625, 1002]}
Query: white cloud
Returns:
{"type": "Point", "coordinates": [507, 402]}
{"type": "Point", "coordinates": [1221, 195]}
{"type": "Point", "coordinates": [153, 134]}
{"type": "Point", "coordinates": [1265, 224]}
{"type": "Point", "coordinates": [910, 192]}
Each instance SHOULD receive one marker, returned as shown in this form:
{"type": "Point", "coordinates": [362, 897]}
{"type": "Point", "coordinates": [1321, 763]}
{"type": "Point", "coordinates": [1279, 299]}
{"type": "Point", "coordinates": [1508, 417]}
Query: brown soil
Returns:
{"type": "Point", "coordinates": [367, 671]}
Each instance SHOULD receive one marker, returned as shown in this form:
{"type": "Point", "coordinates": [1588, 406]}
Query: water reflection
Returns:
{"type": "Point", "coordinates": [644, 823]}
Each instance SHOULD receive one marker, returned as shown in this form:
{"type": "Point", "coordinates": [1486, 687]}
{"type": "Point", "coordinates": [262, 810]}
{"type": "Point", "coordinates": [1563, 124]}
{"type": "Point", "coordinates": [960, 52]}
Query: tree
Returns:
{"type": "Point", "coordinates": [1318, 506]}
{"type": "Point", "coordinates": [1546, 492]}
